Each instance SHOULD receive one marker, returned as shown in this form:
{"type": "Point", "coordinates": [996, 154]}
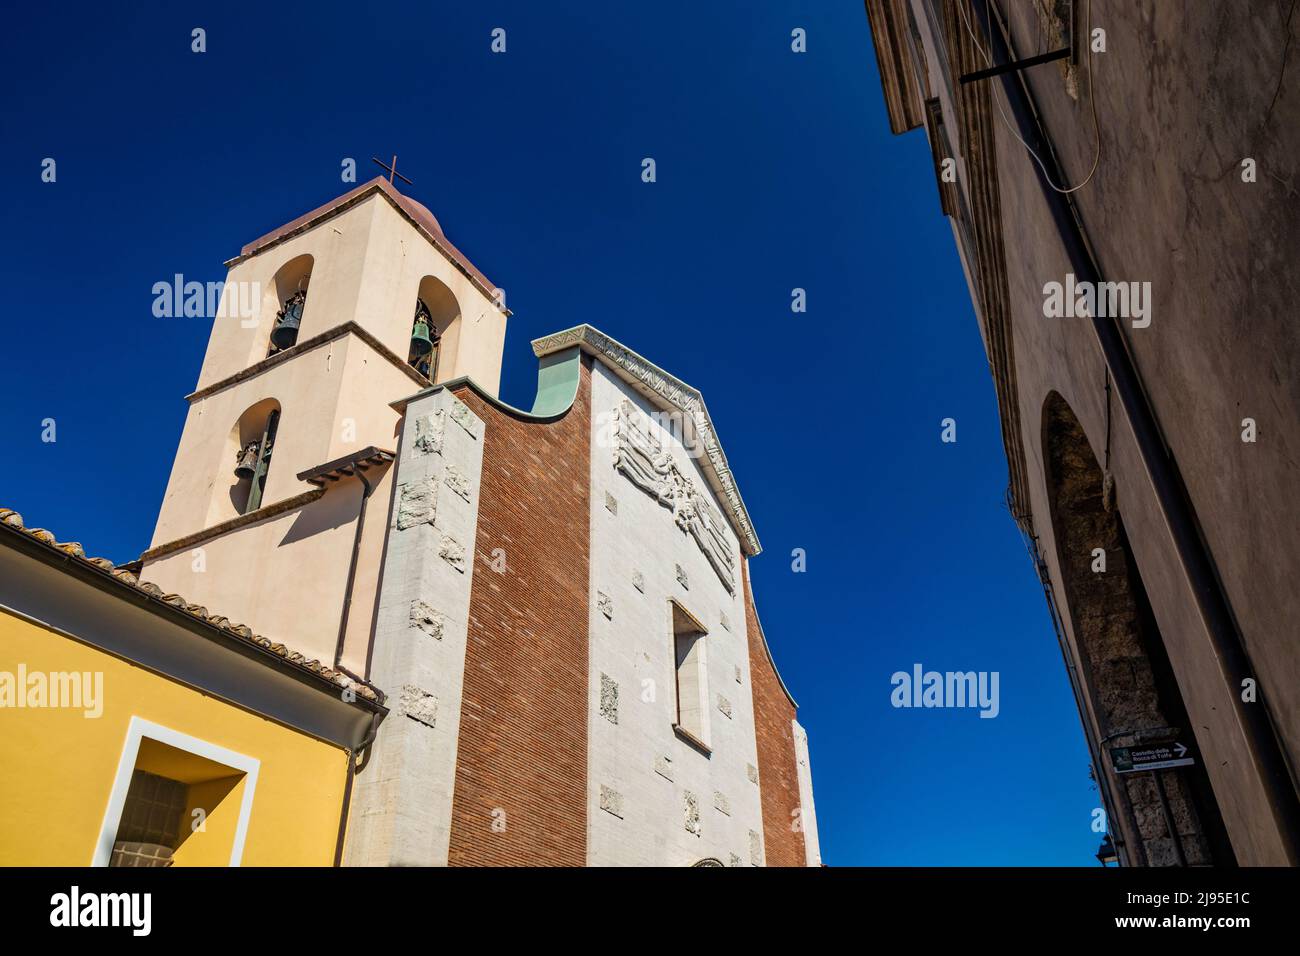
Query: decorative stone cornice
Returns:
{"type": "Point", "coordinates": [977, 136]}
{"type": "Point", "coordinates": [233, 524]}
{"type": "Point", "coordinates": [413, 212]}
{"type": "Point", "coordinates": [642, 459]}
{"type": "Point", "coordinates": [347, 466]}
{"type": "Point", "coordinates": [329, 335]}
{"type": "Point", "coordinates": [655, 382]}
{"type": "Point", "coordinates": [903, 96]}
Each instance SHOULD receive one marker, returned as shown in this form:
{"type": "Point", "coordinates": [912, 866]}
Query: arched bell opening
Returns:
{"type": "Point", "coordinates": [286, 299]}
{"type": "Point", "coordinates": [1165, 817]}
{"type": "Point", "coordinates": [250, 448]}
{"type": "Point", "coordinates": [432, 332]}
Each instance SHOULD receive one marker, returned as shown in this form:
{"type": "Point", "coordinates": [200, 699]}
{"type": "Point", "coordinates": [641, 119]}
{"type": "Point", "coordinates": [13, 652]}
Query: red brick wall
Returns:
{"type": "Point", "coordinates": [523, 725]}
{"type": "Point", "coordinates": [778, 775]}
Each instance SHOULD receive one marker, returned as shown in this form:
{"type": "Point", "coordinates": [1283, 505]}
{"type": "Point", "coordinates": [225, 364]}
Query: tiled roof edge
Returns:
{"type": "Point", "coordinates": [13, 521]}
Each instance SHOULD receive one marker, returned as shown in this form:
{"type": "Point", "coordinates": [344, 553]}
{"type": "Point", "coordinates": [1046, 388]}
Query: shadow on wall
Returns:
{"type": "Point", "coordinates": [324, 514]}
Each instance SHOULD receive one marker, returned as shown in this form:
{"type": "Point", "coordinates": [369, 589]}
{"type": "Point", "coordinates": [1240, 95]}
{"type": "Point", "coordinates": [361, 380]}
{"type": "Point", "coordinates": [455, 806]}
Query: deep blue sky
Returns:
{"type": "Point", "coordinates": [775, 171]}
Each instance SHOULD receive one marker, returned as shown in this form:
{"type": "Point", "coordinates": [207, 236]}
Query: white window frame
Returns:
{"type": "Point", "coordinates": [140, 728]}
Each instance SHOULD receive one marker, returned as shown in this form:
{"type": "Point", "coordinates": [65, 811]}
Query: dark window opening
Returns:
{"type": "Point", "coordinates": [150, 828]}
{"type": "Point", "coordinates": [254, 464]}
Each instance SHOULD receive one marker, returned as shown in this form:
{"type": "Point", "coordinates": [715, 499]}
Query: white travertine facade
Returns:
{"type": "Point", "coordinates": [655, 799]}
{"type": "Point", "coordinates": [807, 812]}
{"type": "Point", "coordinates": [402, 810]}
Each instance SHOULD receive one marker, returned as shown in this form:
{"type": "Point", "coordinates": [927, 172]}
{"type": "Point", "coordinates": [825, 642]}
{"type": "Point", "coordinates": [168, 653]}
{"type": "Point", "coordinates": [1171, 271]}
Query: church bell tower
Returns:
{"type": "Point", "coordinates": [291, 428]}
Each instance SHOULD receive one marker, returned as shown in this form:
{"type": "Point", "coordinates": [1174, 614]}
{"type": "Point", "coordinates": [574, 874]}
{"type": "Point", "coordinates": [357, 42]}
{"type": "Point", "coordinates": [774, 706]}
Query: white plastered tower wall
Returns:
{"type": "Point", "coordinates": [367, 261]}
{"type": "Point", "coordinates": [333, 400]}
{"type": "Point", "coordinates": [367, 254]}
{"type": "Point", "coordinates": [398, 256]}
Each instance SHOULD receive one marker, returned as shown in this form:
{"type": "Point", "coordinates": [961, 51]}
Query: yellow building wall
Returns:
{"type": "Point", "coordinates": [59, 765]}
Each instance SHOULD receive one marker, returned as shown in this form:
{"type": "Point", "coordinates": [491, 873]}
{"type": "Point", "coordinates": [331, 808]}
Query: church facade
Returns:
{"type": "Point", "coordinates": [554, 603]}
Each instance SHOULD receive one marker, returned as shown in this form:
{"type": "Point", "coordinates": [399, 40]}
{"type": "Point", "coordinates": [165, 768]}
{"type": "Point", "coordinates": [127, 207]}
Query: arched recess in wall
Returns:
{"type": "Point", "coordinates": [241, 479]}
{"type": "Point", "coordinates": [1133, 694]}
{"type": "Point", "coordinates": [284, 303]}
{"type": "Point", "coordinates": [435, 329]}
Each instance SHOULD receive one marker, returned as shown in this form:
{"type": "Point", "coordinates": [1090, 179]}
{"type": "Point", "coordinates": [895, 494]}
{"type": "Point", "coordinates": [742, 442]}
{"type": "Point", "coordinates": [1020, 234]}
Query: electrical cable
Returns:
{"type": "Point", "coordinates": [988, 59]}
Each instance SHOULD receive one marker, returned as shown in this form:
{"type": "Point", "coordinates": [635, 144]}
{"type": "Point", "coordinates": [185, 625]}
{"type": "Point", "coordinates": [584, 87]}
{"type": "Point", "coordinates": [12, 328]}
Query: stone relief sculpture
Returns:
{"type": "Point", "coordinates": [640, 456]}
{"type": "Point", "coordinates": [678, 394]}
{"type": "Point", "coordinates": [691, 812]}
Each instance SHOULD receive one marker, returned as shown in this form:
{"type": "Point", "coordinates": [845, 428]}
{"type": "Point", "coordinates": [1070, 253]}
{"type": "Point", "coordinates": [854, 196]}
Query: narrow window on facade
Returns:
{"type": "Point", "coordinates": [691, 659]}
{"type": "Point", "coordinates": [181, 809]}
{"type": "Point", "coordinates": [254, 462]}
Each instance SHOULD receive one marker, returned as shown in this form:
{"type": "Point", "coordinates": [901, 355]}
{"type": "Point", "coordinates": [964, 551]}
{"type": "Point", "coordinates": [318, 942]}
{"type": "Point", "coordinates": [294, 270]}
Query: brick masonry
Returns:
{"type": "Point", "coordinates": [778, 774]}
{"type": "Point", "coordinates": [521, 777]}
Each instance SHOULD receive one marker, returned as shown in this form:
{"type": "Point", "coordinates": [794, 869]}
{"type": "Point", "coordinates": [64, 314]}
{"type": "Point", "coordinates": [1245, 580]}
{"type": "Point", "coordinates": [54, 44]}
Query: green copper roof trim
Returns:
{"type": "Point", "coordinates": [665, 389]}
{"type": "Point", "coordinates": [559, 373]}
{"type": "Point", "coordinates": [558, 377]}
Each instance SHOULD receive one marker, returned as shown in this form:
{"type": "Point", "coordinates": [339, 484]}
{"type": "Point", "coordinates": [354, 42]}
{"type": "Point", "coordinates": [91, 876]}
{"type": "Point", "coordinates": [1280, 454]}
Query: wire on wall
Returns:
{"type": "Point", "coordinates": [1092, 99]}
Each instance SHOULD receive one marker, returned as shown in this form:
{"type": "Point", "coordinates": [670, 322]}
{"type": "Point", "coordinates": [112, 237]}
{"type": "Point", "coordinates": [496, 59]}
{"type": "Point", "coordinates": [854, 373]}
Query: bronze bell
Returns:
{"type": "Point", "coordinates": [247, 466]}
{"type": "Point", "coordinates": [285, 333]}
{"type": "Point", "coordinates": [421, 342]}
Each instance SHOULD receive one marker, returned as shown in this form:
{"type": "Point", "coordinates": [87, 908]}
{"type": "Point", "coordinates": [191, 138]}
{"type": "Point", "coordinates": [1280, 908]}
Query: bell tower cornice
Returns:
{"type": "Point", "coordinates": [412, 211]}
{"type": "Point", "coordinates": [279, 358]}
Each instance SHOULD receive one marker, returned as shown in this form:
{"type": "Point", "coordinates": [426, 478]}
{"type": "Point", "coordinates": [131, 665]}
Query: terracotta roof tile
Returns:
{"type": "Point", "coordinates": [74, 550]}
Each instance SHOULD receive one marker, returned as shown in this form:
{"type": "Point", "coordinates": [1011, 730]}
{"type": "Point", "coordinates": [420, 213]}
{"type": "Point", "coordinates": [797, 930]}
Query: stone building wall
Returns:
{"type": "Point", "coordinates": [1183, 94]}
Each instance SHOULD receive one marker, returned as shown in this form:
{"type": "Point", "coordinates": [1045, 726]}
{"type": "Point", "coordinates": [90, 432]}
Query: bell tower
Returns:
{"type": "Point", "coordinates": [291, 428]}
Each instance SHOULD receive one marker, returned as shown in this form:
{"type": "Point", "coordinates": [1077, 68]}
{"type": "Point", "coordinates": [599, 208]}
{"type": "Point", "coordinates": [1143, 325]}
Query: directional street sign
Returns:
{"type": "Point", "coordinates": [1150, 757]}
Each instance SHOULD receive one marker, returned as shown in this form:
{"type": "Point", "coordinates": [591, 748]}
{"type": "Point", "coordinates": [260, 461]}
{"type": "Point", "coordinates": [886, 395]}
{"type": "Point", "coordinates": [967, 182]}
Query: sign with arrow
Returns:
{"type": "Point", "coordinates": [1151, 757]}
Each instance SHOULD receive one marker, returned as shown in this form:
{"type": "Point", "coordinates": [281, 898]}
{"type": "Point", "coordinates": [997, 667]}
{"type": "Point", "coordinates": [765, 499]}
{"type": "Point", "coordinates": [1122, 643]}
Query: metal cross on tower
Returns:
{"type": "Point", "coordinates": [392, 169]}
